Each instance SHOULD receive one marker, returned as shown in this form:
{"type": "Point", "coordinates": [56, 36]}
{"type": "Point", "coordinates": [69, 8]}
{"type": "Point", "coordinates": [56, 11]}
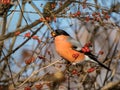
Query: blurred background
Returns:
{"type": "Point", "coordinates": [28, 60]}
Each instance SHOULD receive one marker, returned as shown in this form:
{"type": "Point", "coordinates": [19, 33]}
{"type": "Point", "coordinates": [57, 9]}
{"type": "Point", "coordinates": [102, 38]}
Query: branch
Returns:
{"type": "Point", "coordinates": [23, 29]}
{"type": "Point", "coordinates": [3, 30]}
{"type": "Point", "coordinates": [37, 71]}
{"type": "Point", "coordinates": [66, 4]}
{"type": "Point", "coordinates": [4, 58]}
{"type": "Point", "coordinates": [46, 23]}
{"type": "Point", "coordinates": [110, 85]}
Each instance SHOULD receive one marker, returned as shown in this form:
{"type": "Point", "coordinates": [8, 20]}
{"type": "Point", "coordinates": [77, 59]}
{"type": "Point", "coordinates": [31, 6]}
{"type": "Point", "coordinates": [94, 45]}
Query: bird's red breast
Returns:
{"type": "Point", "coordinates": [64, 49]}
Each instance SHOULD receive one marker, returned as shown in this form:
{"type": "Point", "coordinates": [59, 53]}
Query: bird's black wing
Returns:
{"type": "Point", "coordinates": [93, 57]}
{"type": "Point", "coordinates": [77, 46]}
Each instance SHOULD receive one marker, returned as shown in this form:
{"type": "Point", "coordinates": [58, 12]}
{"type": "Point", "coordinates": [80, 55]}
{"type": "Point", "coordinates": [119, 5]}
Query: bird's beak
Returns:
{"type": "Point", "coordinates": [53, 34]}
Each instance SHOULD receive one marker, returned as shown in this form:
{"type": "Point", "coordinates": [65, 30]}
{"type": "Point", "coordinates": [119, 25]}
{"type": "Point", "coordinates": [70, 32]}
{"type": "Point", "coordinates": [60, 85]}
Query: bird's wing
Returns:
{"type": "Point", "coordinates": [94, 58]}
{"type": "Point", "coordinates": [75, 44]}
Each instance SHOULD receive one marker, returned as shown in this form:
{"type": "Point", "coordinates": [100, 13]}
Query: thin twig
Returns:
{"type": "Point", "coordinates": [116, 42]}
{"type": "Point", "coordinates": [37, 71]}
{"type": "Point", "coordinates": [3, 30]}
{"type": "Point", "coordinates": [7, 61]}
{"type": "Point", "coordinates": [21, 30]}
{"type": "Point", "coordinates": [21, 44]}
{"type": "Point", "coordinates": [45, 22]}
{"type": "Point", "coordinates": [110, 85]}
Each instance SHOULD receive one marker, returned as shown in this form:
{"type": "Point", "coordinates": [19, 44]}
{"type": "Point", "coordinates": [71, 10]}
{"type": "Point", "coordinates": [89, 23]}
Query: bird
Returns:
{"type": "Point", "coordinates": [71, 50]}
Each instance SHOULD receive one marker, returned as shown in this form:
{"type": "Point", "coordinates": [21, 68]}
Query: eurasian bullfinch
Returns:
{"type": "Point", "coordinates": [71, 50]}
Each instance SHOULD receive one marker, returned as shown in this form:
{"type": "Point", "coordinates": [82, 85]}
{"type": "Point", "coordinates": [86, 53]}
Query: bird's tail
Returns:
{"type": "Point", "coordinates": [94, 59]}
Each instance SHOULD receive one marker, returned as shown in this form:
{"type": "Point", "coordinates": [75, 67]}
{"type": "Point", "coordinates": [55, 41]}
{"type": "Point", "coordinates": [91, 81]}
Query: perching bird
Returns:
{"type": "Point", "coordinates": [71, 50]}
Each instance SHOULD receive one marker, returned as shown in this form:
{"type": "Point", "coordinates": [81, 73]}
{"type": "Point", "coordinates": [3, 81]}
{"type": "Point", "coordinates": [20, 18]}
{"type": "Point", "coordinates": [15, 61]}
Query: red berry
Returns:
{"type": "Point", "coordinates": [91, 70]}
{"type": "Point", "coordinates": [87, 49]}
{"type": "Point", "coordinates": [53, 6]}
{"type": "Point", "coordinates": [75, 15]}
{"type": "Point", "coordinates": [107, 16]}
{"type": "Point", "coordinates": [27, 88]}
{"type": "Point", "coordinates": [17, 33]}
{"type": "Point", "coordinates": [6, 1]}
{"type": "Point", "coordinates": [88, 44]}
{"type": "Point", "coordinates": [87, 18]}
{"type": "Point", "coordinates": [38, 86]}
{"type": "Point", "coordinates": [32, 59]}
{"type": "Point", "coordinates": [27, 34]}
{"type": "Point", "coordinates": [28, 62]}
{"type": "Point", "coordinates": [74, 71]}
{"type": "Point", "coordinates": [83, 49]}
{"type": "Point", "coordinates": [78, 13]}
{"type": "Point", "coordinates": [35, 37]}
{"type": "Point", "coordinates": [42, 19]}
{"type": "Point", "coordinates": [101, 52]}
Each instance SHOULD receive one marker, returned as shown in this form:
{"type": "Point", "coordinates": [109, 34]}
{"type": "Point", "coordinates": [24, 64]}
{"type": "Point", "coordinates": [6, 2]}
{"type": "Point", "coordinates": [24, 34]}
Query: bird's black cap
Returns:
{"type": "Point", "coordinates": [59, 32]}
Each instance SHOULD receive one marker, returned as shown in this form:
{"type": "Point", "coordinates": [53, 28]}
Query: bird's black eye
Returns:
{"type": "Point", "coordinates": [74, 47]}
